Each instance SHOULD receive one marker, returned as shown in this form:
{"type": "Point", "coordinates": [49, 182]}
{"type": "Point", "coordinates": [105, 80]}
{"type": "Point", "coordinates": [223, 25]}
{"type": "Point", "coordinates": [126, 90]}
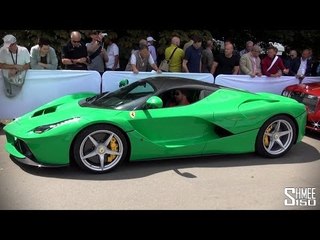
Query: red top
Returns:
{"type": "Point", "coordinates": [266, 62]}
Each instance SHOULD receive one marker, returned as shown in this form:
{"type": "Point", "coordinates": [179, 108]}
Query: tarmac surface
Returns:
{"type": "Point", "coordinates": [221, 182]}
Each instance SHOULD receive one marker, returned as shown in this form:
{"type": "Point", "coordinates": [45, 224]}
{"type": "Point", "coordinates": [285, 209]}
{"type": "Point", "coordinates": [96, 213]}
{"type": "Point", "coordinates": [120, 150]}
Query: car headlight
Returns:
{"type": "Point", "coordinates": [47, 127]}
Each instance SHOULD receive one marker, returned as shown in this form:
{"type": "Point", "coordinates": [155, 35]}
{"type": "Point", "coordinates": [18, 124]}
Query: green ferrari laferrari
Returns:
{"type": "Point", "coordinates": [146, 120]}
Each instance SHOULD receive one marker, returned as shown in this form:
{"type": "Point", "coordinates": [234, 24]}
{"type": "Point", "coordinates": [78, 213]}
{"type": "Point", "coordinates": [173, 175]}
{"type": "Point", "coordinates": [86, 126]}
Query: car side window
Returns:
{"type": "Point", "coordinates": [204, 93]}
{"type": "Point", "coordinates": [179, 97]}
{"type": "Point", "coordinates": [147, 88]}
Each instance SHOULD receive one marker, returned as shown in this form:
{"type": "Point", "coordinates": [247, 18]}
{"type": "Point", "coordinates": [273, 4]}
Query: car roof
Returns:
{"type": "Point", "coordinates": [168, 82]}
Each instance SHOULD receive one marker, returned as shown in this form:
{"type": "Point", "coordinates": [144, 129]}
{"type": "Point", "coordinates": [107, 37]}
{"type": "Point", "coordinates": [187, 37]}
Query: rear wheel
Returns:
{"type": "Point", "coordinates": [100, 148]}
{"type": "Point", "coordinates": [276, 137]}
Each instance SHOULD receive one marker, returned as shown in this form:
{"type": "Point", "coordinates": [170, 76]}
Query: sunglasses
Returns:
{"type": "Point", "coordinates": [75, 41]}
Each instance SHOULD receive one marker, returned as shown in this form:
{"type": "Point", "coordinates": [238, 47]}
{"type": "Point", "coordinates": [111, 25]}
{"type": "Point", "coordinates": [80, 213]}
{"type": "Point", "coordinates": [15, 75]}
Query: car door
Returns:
{"type": "Point", "coordinates": [179, 130]}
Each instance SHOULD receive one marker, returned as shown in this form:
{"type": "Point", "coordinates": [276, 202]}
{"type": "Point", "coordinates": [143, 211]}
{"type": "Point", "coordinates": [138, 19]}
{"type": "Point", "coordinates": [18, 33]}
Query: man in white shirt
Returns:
{"type": "Point", "coordinates": [140, 59]}
{"type": "Point", "coordinates": [14, 62]}
{"type": "Point", "coordinates": [301, 67]}
{"type": "Point", "coordinates": [113, 55]}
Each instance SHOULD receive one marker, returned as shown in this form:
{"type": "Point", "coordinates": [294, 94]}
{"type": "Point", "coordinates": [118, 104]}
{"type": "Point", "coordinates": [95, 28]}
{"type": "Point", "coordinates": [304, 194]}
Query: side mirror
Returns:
{"type": "Point", "coordinates": [154, 102]}
{"type": "Point", "coordinates": [123, 83]}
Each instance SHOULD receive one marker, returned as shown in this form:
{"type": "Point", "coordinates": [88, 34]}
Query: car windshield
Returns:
{"type": "Point", "coordinates": [126, 98]}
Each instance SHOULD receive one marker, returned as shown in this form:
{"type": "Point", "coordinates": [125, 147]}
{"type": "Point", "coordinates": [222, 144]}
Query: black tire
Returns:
{"type": "Point", "coordinates": [94, 145]}
{"type": "Point", "coordinates": [276, 137]}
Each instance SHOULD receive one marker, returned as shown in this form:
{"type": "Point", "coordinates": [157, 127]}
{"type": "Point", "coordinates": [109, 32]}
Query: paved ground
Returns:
{"type": "Point", "coordinates": [242, 181]}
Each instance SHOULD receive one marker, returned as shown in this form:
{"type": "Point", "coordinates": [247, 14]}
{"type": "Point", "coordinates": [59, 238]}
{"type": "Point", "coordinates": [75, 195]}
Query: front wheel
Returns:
{"type": "Point", "coordinates": [100, 148]}
{"type": "Point", "coordinates": [276, 137]}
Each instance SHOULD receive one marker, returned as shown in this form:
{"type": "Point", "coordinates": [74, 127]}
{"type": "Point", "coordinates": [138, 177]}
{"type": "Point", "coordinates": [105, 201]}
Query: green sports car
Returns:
{"type": "Point", "coordinates": [139, 122]}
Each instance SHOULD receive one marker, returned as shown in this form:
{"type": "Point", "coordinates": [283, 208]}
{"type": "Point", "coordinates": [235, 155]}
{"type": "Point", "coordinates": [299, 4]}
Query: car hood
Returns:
{"type": "Point", "coordinates": [61, 109]}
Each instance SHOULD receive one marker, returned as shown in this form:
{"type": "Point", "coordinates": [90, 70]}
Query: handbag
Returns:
{"type": "Point", "coordinates": [15, 78]}
{"type": "Point", "coordinates": [164, 65]}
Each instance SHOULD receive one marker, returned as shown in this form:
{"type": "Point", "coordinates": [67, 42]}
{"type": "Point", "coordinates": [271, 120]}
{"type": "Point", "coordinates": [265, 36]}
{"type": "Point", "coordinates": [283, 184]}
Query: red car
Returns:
{"type": "Point", "coordinates": [309, 95]}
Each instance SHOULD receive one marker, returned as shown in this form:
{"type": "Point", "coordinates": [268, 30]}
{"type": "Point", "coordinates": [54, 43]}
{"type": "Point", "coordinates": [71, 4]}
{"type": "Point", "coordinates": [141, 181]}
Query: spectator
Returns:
{"type": "Point", "coordinates": [207, 57]}
{"type": "Point", "coordinates": [14, 62]}
{"type": "Point", "coordinates": [318, 70]}
{"type": "Point", "coordinates": [272, 65]}
{"type": "Point", "coordinates": [314, 62]}
{"type": "Point", "coordinates": [113, 54]}
{"type": "Point", "coordinates": [248, 48]}
{"type": "Point", "coordinates": [188, 44]}
{"type": "Point", "coordinates": [141, 42]}
{"type": "Point", "coordinates": [152, 48]}
{"type": "Point", "coordinates": [235, 51]}
{"type": "Point", "coordinates": [301, 66]}
{"type": "Point", "coordinates": [140, 58]}
{"type": "Point", "coordinates": [226, 63]}
{"type": "Point", "coordinates": [43, 56]}
{"type": "Point", "coordinates": [316, 65]}
{"type": "Point", "coordinates": [250, 62]}
{"type": "Point", "coordinates": [75, 54]}
{"type": "Point", "coordinates": [192, 58]}
{"type": "Point", "coordinates": [96, 52]}
{"type": "Point", "coordinates": [292, 56]}
{"type": "Point", "coordinates": [310, 57]}
{"type": "Point", "coordinates": [175, 64]}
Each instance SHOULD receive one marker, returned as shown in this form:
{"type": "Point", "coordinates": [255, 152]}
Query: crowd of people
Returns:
{"type": "Point", "coordinates": [102, 54]}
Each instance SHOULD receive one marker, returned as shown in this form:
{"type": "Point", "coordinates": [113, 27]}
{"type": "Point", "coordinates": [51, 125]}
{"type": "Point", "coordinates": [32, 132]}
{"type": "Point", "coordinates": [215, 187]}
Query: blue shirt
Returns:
{"type": "Point", "coordinates": [193, 56]}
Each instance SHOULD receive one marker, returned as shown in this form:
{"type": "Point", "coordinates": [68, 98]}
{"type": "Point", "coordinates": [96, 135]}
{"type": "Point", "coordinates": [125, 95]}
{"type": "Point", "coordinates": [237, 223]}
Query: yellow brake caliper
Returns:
{"type": "Point", "coordinates": [266, 138]}
{"type": "Point", "coordinates": [114, 147]}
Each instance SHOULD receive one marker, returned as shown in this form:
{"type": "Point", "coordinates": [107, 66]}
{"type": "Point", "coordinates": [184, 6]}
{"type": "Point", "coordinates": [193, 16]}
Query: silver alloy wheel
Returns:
{"type": "Point", "coordinates": [96, 151]}
{"type": "Point", "coordinates": [277, 137]}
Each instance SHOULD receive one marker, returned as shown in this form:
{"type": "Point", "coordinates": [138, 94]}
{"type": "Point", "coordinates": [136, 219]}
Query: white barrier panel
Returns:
{"type": "Point", "coordinates": [42, 86]}
{"type": "Point", "coordinates": [111, 79]}
{"type": "Point", "coordinates": [260, 84]}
